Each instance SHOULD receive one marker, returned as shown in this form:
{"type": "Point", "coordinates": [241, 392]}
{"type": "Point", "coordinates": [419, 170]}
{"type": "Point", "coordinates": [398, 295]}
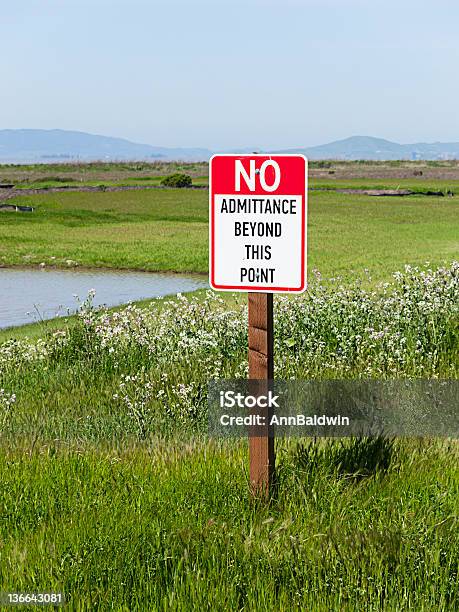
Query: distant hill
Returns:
{"type": "Point", "coordinates": [62, 145]}
{"type": "Point", "coordinates": [368, 147]}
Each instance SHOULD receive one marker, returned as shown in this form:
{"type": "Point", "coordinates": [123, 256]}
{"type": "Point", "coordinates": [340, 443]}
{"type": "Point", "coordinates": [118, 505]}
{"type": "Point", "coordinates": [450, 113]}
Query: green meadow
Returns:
{"type": "Point", "coordinates": [172, 527]}
{"type": "Point", "coordinates": [167, 229]}
{"type": "Point", "coordinates": [113, 493]}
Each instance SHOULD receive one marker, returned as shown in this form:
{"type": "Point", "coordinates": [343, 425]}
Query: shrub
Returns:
{"type": "Point", "coordinates": [177, 180]}
{"type": "Point", "coordinates": [321, 164]}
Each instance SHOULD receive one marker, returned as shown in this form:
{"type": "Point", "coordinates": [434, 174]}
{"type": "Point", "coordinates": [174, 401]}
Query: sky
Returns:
{"type": "Point", "coordinates": [232, 73]}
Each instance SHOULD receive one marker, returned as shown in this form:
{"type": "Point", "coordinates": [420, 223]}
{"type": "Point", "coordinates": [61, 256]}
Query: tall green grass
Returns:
{"type": "Point", "coordinates": [113, 493]}
{"type": "Point", "coordinates": [173, 528]}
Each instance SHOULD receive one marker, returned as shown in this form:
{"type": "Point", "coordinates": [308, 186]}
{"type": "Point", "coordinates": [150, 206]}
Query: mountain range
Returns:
{"type": "Point", "coordinates": [29, 145]}
{"type": "Point", "coordinates": [368, 147]}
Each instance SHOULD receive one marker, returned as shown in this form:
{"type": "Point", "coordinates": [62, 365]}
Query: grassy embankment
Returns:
{"type": "Point", "coordinates": [167, 230]}
{"type": "Point", "coordinates": [113, 495]}
{"type": "Point", "coordinates": [97, 503]}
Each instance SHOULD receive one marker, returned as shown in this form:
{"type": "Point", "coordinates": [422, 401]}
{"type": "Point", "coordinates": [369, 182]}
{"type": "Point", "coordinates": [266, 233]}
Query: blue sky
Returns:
{"type": "Point", "coordinates": [232, 73]}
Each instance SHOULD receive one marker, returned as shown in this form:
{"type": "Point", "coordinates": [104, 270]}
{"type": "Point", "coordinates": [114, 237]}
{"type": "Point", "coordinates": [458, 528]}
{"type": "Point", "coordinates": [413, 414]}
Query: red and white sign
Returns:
{"type": "Point", "coordinates": [258, 223]}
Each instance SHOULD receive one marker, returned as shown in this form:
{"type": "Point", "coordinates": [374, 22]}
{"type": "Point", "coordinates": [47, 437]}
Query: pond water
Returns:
{"type": "Point", "coordinates": [27, 296]}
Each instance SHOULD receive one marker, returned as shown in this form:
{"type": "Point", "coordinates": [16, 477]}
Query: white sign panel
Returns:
{"type": "Point", "coordinates": [258, 223]}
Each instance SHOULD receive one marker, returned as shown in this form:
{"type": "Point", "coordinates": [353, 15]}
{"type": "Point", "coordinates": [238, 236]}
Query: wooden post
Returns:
{"type": "Point", "coordinates": [261, 371]}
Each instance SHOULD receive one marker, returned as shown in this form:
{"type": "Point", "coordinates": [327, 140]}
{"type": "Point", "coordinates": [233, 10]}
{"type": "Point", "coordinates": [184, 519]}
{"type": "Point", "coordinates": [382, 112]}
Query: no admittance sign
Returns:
{"type": "Point", "coordinates": [258, 223]}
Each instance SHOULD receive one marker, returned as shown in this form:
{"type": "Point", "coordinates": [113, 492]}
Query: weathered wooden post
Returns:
{"type": "Point", "coordinates": [261, 371]}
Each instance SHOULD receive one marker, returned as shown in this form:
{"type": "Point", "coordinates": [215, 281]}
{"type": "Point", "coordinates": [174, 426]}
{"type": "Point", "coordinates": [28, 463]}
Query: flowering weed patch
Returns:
{"type": "Point", "coordinates": [151, 365]}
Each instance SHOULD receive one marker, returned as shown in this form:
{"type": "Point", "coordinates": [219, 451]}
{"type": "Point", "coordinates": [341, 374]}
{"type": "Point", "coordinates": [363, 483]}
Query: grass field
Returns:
{"type": "Point", "coordinates": [167, 230]}
{"type": "Point", "coordinates": [111, 489]}
{"type": "Point", "coordinates": [172, 528]}
{"type": "Point", "coordinates": [114, 494]}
